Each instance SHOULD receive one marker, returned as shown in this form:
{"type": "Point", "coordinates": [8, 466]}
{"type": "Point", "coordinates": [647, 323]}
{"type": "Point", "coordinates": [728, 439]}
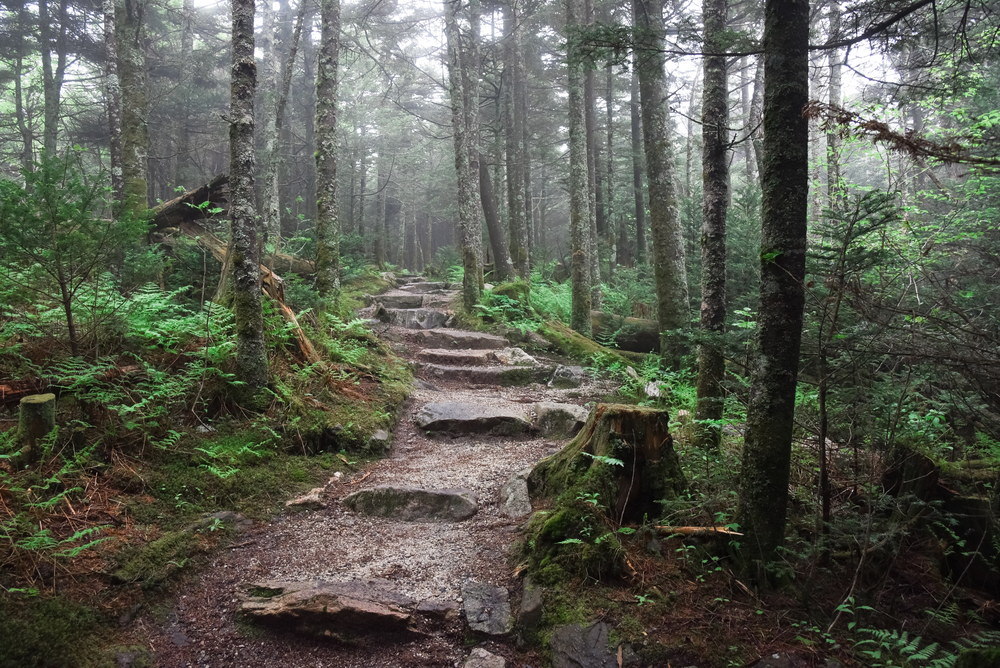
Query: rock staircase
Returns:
{"type": "Point", "coordinates": [401, 564]}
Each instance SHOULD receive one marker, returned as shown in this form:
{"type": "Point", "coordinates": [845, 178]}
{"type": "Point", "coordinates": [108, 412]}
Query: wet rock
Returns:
{"type": "Point", "coordinates": [465, 418]}
{"type": "Point", "coordinates": [427, 286]}
{"type": "Point", "coordinates": [480, 658]}
{"type": "Point", "coordinates": [565, 377]}
{"type": "Point", "coordinates": [576, 646]}
{"type": "Point", "coordinates": [506, 376]}
{"type": "Point", "coordinates": [531, 605]}
{"type": "Point", "coordinates": [378, 442]}
{"type": "Point", "coordinates": [414, 504]}
{"type": "Point", "coordinates": [559, 420]}
{"type": "Point", "coordinates": [312, 500]}
{"type": "Point", "coordinates": [417, 318]}
{"type": "Point", "coordinates": [487, 608]}
{"type": "Point", "coordinates": [514, 499]}
{"type": "Point", "coordinates": [514, 357]}
{"type": "Point", "coordinates": [398, 299]}
{"type": "Point", "coordinates": [449, 356]}
{"type": "Point", "coordinates": [328, 608]}
{"type": "Point", "coordinates": [457, 338]}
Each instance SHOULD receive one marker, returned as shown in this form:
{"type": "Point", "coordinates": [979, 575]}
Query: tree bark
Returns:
{"type": "Point", "coordinates": [668, 244]}
{"type": "Point", "coordinates": [590, 123]}
{"type": "Point", "coordinates": [114, 104]}
{"type": "Point", "coordinates": [36, 419]}
{"type": "Point", "coordinates": [502, 266]}
{"type": "Point", "coordinates": [579, 216]}
{"type": "Point", "coordinates": [52, 80]}
{"type": "Point", "coordinates": [638, 165]}
{"type": "Point", "coordinates": [328, 214]}
{"type": "Point", "coordinates": [715, 203]}
{"type": "Point", "coordinates": [251, 353]}
{"type": "Point", "coordinates": [834, 188]}
{"type": "Point", "coordinates": [763, 493]}
{"type": "Point", "coordinates": [467, 206]}
{"type": "Point", "coordinates": [27, 140]}
{"type": "Point", "coordinates": [130, 26]}
{"type": "Point", "coordinates": [513, 128]}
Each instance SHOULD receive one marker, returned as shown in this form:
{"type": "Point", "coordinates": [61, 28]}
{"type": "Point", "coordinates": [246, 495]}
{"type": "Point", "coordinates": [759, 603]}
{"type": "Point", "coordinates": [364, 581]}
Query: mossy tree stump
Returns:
{"type": "Point", "coordinates": [616, 471]}
{"type": "Point", "coordinates": [36, 418]}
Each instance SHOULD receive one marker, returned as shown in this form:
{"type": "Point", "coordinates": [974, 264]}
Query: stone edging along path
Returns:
{"type": "Point", "coordinates": [406, 562]}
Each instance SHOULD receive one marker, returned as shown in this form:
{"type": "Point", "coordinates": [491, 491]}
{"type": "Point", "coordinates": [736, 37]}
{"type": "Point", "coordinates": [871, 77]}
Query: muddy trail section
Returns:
{"type": "Point", "coordinates": [407, 561]}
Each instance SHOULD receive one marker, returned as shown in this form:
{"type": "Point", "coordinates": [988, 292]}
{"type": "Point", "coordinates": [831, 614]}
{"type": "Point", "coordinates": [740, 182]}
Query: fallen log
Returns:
{"type": "Point", "coordinates": [696, 531]}
{"type": "Point", "coordinates": [633, 334]}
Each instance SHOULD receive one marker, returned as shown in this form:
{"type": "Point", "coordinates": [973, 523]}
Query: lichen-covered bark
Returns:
{"type": "Point", "coordinates": [638, 162]}
{"type": "Point", "coordinates": [514, 141]}
{"type": "Point", "coordinates": [135, 102]}
{"type": "Point", "coordinates": [468, 214]}
{"type": "Point", "coordinates": [834, 188]}
{"type": "Point", "coordinates": [715, 202]}
{"type": "Point", "coordinates": [52, 79]}
{"type": "Point", "coordinates": [579, 213]}
{"type": "Point", "coordinates": [328, 215]}
{"type": "Point", "coordinates": [668, 244]}
{"type": "Point", "coordinates": [590, 123]}
{"type": "Point", "coordinates": [764, 475]}
{"type": "Point", "coordinates": [503, 268]}
{"type": "Point", "coordinates": [251, 354]}
{"type": "Point", "coordinates": [113, 90]}
{"type": "Point", "coordinates": [27, 139]}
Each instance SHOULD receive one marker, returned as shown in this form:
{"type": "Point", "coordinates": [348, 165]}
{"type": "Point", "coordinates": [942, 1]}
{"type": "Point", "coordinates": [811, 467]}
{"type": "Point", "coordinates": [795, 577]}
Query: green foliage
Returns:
{"type": "Point", "coordinates": [46, 633]}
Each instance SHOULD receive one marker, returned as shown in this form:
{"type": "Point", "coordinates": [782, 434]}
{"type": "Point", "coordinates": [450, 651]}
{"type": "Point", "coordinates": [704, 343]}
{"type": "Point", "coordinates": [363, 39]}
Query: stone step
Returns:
{"type": "Point", "coordinates": [465, 418]}
{"type": "Point", "coordinates": [407, 279]}
{"type": "Point", "coordinates": [555, 420]}
{"type": "Point", "coordinates": [417, 318]}
{"type": "Point", "coordinates": [397, 299]}
{"type": "Point", "coordinates": [506, 376]}
{"type": "Point", "coordinates": [343, 609]}
{"type": "Point", "coordinates": [414, 504]}
{"type": "Point", "coordinates": [426, 287]}
{"type": "Point", "coordinates": [459, 338]}
{"type": "Point", "coordinates": [443, 299]}
{"type": "Point", "coordinates": [460, 357]}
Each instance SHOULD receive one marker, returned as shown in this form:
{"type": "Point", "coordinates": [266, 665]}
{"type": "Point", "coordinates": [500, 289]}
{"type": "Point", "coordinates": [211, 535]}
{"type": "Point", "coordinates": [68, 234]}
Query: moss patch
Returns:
{"type": "Point", "coordinates": [46, 633]}
{"type": "Point", "coordinates": [578, 347]}
{"type": "Point", "coordinates": [154, 563]}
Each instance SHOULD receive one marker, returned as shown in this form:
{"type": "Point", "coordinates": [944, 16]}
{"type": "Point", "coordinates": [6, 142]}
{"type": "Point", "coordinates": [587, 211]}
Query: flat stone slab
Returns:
{"type": "Point", "coordinates": [335, 608]}
{"type": "Point", "coordinates": [458, 338]}
{"type": "Point", "coordinates": [487, 608]}
{"type": "Point", "coordinates": [414, 504]}
{"type": "Point", "coordinates": [417, 318]}
{"type": "Point", "coordinates": [429, 286]}
{"type": "Point", "coordinates": [465, 418]}
{"type": "Point", "coordinates": [577, 646]}
{"type": "Point", "coordinates": [459, 357]}
{"type": "Point", "coordinates": [398, 299]}
{"type": "Point", "coordinates": [440, 300]}
{"type": "Point", "coordinates": [515, 357]}
{"type": "Point", "coordinates": [506, 376]}
{"type": "Point", "coordinates": [559, 420]}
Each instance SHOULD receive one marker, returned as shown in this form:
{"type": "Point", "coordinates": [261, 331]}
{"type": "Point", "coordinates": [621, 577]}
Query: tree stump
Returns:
{"type": "Point", "coordinates": [36, 418]}
{"type": "Point", "coordinates": [614, 472]}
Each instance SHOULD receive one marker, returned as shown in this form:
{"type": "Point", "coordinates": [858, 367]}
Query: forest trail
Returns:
{"type": "Point", "coordinates": [404, 563]}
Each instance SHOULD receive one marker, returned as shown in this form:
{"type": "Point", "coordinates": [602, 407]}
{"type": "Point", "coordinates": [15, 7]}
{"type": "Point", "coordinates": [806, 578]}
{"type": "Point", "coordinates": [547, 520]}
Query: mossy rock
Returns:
{"type": "Point", "coordinates": [979, 658]}
{"type": "Point", "coordinates": [155, 562]}
{"type": "Point", "coordinates": [46, 632]}
{"type": "Point", "coordinates": [578, 347]}
{"type": "Point", "coordinates": [618, 468]}
{"type": "Point", "coordinates": [518, 291]}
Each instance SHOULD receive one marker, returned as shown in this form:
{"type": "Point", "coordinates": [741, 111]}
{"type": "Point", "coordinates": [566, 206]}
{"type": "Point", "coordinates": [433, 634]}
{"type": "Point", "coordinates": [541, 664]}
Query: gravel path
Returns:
{"type": "Point", "coordinates": [422, 560]}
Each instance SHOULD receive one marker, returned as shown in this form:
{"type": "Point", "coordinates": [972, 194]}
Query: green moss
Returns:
{"type": "Point", "coordinates": [979, 658]}
{"type": "Point", "coordinates": [578, 347]}
{"type": "Point", "coordinates": [518, 291]}
{"type": "Point", "coordinates": [47, 633]}
{"type": "Point", "coordinates": [154, 563]}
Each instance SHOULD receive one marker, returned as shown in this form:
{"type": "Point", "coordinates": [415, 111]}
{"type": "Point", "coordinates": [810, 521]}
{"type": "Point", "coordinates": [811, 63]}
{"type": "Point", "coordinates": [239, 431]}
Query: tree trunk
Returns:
{"type": "Point", "coordinates": [251, 353]}
{"type": "Point", "coordinates": [328, 214]}
{"type": "Point", "coordinates": [763, 494]}
{"type": "Point", "coordinates": [614, 252]}
{"type": "Point", "coordinates": [503, 267]}
{"type": "Point", "coordinates": [135, 102]}
{"type": "Point", "coordinates": [668, 244]}
{"type": "Point", "coordinates": [35, 420]}
{"type": "Point", "coordinates": [579, 219]}
{"type": "Point", "coordinates": [52, 80]}
{"type": "Point", "coordinates": [638, 162]}
{"type": "Point", "coordinates": [513, 130]}
{"type": "Point", "coordinates": [834, 188]}
{"type": "Point", "coordinates": [756, 116]}
{"type": "Point", "coordinates": [309, 117]}
{"type": "Point", "coordinates": [381, 183]}
{"type": "Point", "coordinates": [182, 166]}
{"type": "Point", "coordinates": [715, 202]}
{"type": "Point", "coordinates": [748, 163]}
{"type": "Point", "coordinates": [468, 216]}
{"type": "Point", "coordinates": [114, 104]}
{"type": "Point", "coordinates": [590, 123]}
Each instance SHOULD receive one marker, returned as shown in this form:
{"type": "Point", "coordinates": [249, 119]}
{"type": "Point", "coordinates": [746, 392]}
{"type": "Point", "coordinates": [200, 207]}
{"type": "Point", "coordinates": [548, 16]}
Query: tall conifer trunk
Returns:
{"type": "Point", "coordinates": [579, 212]}
{"type": "Point", "coordinates": [513, 127]}
{"type": "Point", "coordinates": [114, 103]}
{"type": "Point", "coordinates": [638, 163]}
{"type": "Point", "coordinates": [715, 202]}
{"type": "Point", "coordinates": [763, 494]}
{"type": "Point", "coordinates": [328, 213]}
{"type": "Point", "coordinates": [135, 101]}
{"type": "Point", "coordinates": [251, 353]}
{"type": "Point", "coordinates": [668, 243]}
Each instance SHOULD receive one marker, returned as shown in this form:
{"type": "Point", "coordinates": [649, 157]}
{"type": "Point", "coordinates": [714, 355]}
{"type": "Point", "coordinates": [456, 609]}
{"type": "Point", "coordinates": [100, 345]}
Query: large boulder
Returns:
{"type": "Point", "coordinates": [414, 504]}
{"type": "Point", "coordinates": [514, 499]}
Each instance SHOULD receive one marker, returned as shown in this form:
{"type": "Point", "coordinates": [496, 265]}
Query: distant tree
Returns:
{"type": "Point", "coordinates": [328, 216]}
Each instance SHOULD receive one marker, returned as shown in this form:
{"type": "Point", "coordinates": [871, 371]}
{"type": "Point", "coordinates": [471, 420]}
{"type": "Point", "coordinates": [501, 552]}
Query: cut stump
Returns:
{"type": "Point", "coordinates": [36, 418]}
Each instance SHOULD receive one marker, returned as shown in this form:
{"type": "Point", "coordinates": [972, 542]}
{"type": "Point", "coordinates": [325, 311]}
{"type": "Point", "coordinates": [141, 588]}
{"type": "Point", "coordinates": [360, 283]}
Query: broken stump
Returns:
{"type": "Point", "coordinates": [36, 418]}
